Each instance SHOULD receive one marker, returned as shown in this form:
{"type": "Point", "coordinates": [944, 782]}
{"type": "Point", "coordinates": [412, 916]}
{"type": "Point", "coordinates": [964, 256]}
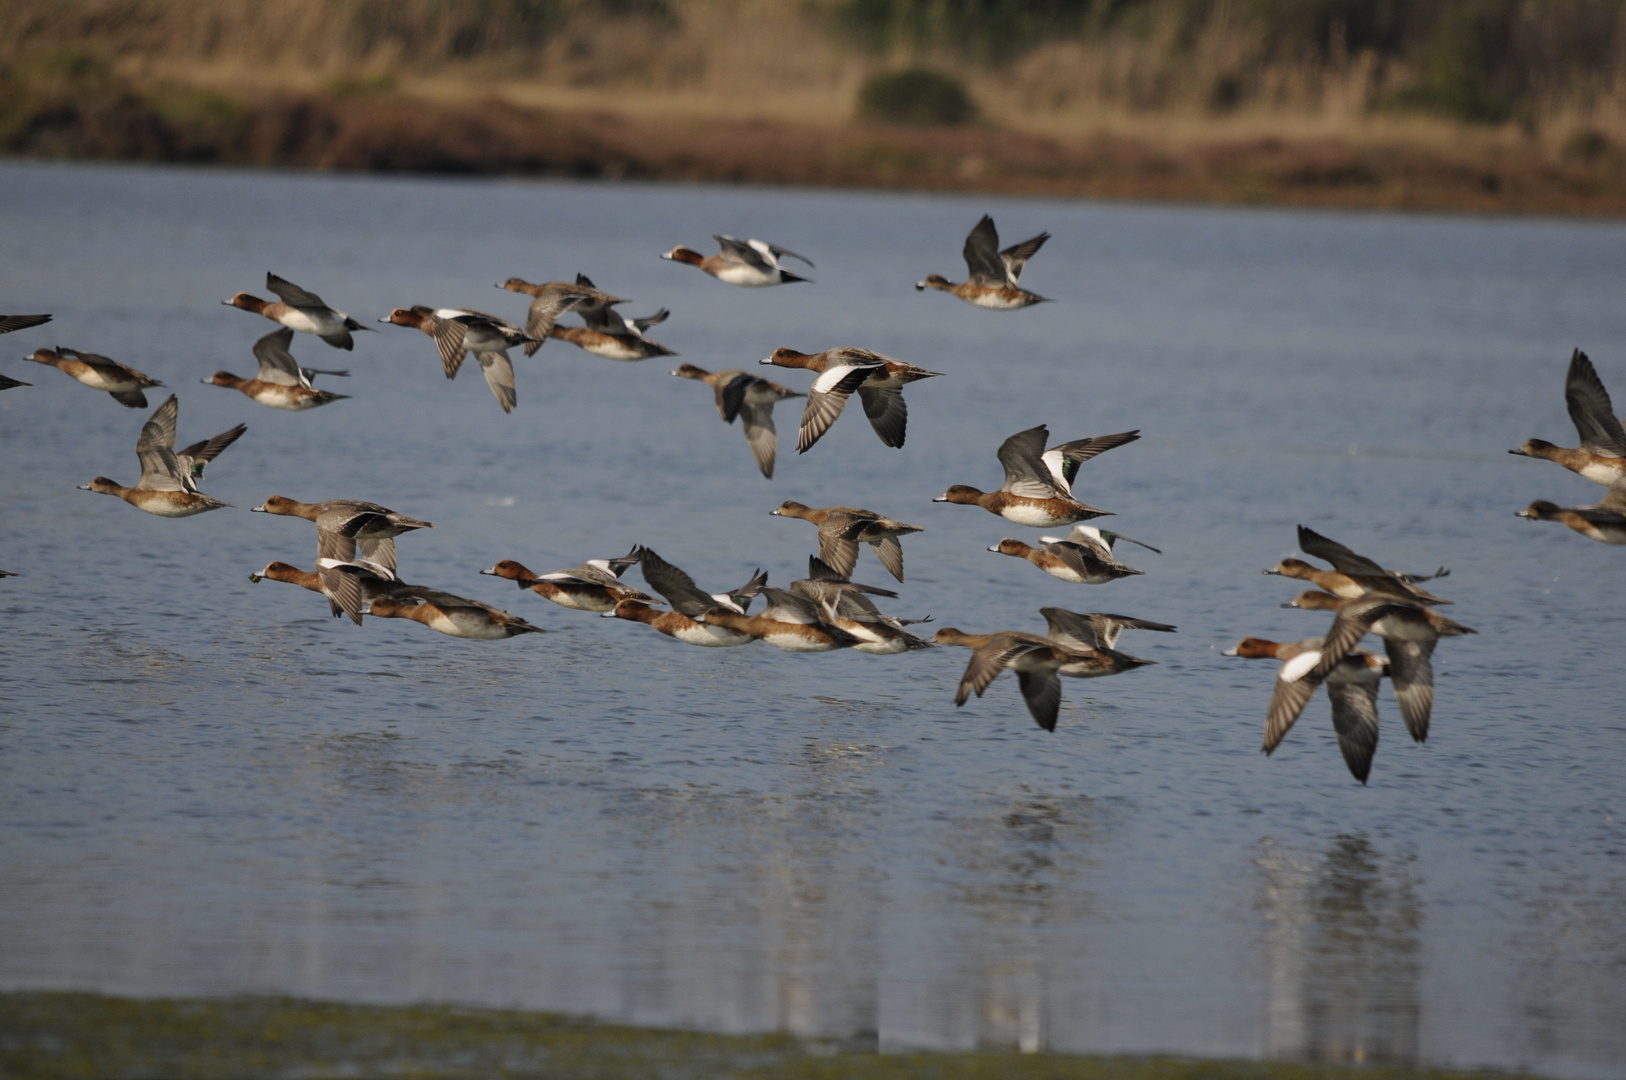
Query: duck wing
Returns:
{"type": "Point", "coordinates": [676, 586]}
{"type": "Point", "coordinates": [155, 449]}
{"type": "Point", "coordinates": [988, 661]}
{"type": "Point", "coordinates": [1411, 669]}
{"type": "Point", "coordinates": [277, 364]}
{"type": "Point", "coordinates": [757, 420]}
{"type": "Point", "coordinates": [193, 459]}
{"type": "Point", "coordinates": [1343, 560]}
{"type": "Point", "coordinates": [731, 394]}
{"type": "Point", "coordinates": [1355, 721]}
{"type": "Point", "coordinates": [887, 413]}
{"type": "Point", "coordinates": [747, 252]}
{"type": "Point", "coordinates": [499, 373]}
{"type": "Point", "coordinates": [1041, 689]}
{"type": "Point", "coordinates": [1590, 410]}
{"type": "Point", "coordinates": [826, 398]}
{"type": "Point", "coordinates": [1026, 474]}
{"type": "Point", "coordinates": [544, 313]}
{"type": "Point", "coordinates": [1295, 686]}
{"type": "Point", "coordinates": [982, 258]}
{"type": "Point", "coordinates": [638, 326]}
{"type": "Point", "coordinates": [448, 335]}
{"type": "Point", "coordinates": [1063, 460]}
{"type": "Point", "coordinates": [292, 294]}
{"type": "Point", "coordinates": [1016, 256]}
{"type": "Point", "coordinates": [8, 323]}
{"type": "Point", "coordinates": [1352, 622]}
{"type": "Point", "coordinates": [775, 252]}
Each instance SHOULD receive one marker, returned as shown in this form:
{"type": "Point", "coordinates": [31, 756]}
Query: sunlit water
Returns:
{"type": "Point", "coordinates": [211, 787]}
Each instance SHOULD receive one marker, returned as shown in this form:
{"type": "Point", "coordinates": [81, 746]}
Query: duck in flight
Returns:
{"type": "Point", "coordinates": [878, 378]}
{"type": "Point", "coordinates": [750, 399]}
{"type": "Point", "coordinates": [1037, 491]}
{"type": "Point", "coordinates": [1601, 457]}
{"type": "Point", "coordinates": [750, 264]}
{"type": "Point", "coordinates": [121, 381]}
{"type": "Point", "coordinates": [169, 481]}
{"type": "Point", "coordinates": [460, 331]}
{"type": "Point", "coordinates": [995, 276]}
{"type": "Point", "coordinates": [280, 383]}
{"type": "Point", "coordinates": [302, 311]}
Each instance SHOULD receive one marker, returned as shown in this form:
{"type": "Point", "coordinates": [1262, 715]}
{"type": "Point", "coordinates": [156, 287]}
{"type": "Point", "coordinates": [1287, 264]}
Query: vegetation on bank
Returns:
{"type": "Point", "coordinates": [1436, 104]}
{"type": "Point", "coordinates": [60, 1036]}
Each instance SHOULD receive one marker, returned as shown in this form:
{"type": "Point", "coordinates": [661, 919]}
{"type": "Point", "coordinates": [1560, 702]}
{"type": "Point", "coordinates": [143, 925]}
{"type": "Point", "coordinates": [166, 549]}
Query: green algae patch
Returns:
{"type": "Point", "coordinates": [57, 1036]}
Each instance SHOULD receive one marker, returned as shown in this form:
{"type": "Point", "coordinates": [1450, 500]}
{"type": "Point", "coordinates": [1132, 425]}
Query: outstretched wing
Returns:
{"type": "Point", "coordinates": [1016, 256]}
{"type": "Point", "coordinates": [825, 399]}
{"type": "Point", "coordinates": [499, 372]}
{"type": "Point", "coordinates": [8, 323]}
{"type": "Point", "coordinates": [678, 588]}
{"type": "Point", "coordinates": [887, 413]}
{"type": "Point", "coordinates": [1295, 686]}
{"type": "Point", "coordinates": [1411, 669]}
{"type": "Point", "coordinates": [292, 294]}
{"type": "Point", "coordinates": [1590, 410]}
{"type": "Point", "coordinates": [746, 252]}
{"type": "Point", "coordinates": [1026, 474]}
{"type": "Point", "coordinates": [1063, 460]}
{"type": "Point", "coordinates": [1355, 721]}
{"type": "Point", "coordinates": [777, 252]}
{"type": "Point", "coordinates": [277, 364]}
{"type": "Point", "coordinates": [155, 449]}
{"type": "Point", "coordinates": [1343, 560]}
{"type": "Point", "coordinates": [544, 313]}
{"type": "Point", "coordinates": [982, 257]}
{"type": "Point", "coordinates": [1041, 689]}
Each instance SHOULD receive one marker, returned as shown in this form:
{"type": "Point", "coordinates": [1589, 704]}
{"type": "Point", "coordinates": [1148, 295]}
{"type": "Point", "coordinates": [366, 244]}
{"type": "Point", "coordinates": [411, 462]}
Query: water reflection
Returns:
{"type": "Point", "coordinates": [1019, 874]}
{"type": "Point", "coordinates": [1342, 946]}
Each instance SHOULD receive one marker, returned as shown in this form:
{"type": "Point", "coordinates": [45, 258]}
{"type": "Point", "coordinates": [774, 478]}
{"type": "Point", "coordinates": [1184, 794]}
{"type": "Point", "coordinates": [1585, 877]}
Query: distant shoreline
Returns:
{"type": "Point", "coordinates": [398, 134]}
{"type": "Point", "coordinates": [50, 1034]}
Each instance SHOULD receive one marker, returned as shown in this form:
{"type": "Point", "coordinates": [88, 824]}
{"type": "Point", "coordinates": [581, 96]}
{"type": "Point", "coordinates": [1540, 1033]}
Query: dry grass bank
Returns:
{"type": "Point", "coordinates": [1451, 104]}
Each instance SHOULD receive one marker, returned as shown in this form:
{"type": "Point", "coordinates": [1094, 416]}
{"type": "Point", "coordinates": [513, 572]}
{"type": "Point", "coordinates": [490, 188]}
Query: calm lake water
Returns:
{"type": "Point", "coordinates": [211, 787]}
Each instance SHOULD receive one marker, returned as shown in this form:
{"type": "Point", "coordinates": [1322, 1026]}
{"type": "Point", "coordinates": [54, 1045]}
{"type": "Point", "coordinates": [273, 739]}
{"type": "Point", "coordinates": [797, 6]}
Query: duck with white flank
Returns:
{"type": "Point", "coordinates": [751, 264]}
{"type": "Point", "coordinates": [302, 311]}
{"type": "Point", "coordinates": [752, 400]}
{"type": "Point", "coordinates": [878, 379]}
{"type": "Point", "coordinates": [280, 383]}
{"type": "Point", "coordinates": [344, 527]}
{"type": "Point", "coordinates": [1038, 483]}
{"type": "Point", "coordinates": [1601, 457]}
{"type": "Point", "coordinates": [995, 275]}
{"type": "Point", "coordinates": [169, 481]}
{"type": "Point", "coordinates": [843, 528]}
{"type": "Point", "coordinates": [121, 381]}
{"type": "Point", "coordinates": [460, 331]}
{"type": "Point", "coordinates": [689, 603]}
{"type": "Point", "coordinates": [1352, 687]}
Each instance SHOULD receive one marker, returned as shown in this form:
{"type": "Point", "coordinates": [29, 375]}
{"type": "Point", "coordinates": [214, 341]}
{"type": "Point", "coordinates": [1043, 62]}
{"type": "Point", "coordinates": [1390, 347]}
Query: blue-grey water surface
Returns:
{"type": "Point", "coordinates": [211, 787]}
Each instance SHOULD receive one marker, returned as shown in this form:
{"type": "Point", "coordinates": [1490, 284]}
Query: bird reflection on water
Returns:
{"type": "Point", "coordinates": [1342, 944]}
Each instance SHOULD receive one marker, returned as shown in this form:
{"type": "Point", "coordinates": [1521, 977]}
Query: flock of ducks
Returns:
{"type": "Point", "coordinates": [356, 568]}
